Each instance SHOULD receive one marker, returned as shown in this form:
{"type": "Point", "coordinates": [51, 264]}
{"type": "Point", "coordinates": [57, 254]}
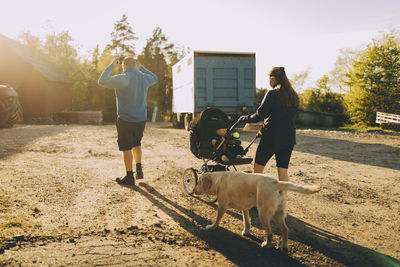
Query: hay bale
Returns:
{"type": "Point", "coordinates": [90, 117]}
{"type": "Point", "coordinates": [81, 117]}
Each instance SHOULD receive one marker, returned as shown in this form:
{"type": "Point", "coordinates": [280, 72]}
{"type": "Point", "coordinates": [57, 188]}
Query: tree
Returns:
{"type": "Point", "coordinates": [95, 56]}
{"type": "Point", "coordinates": [122, 38]}
{"type": "Point", "coordinates": [31, 40]}
{"type": "Point", "coordinates": [260, 93]}
{"type": "Point", "coordinates": [159, 55]}
{"type": "Point", "coordinates": [374, 80]}
{"type": "Point", "coordinates": [338, 81]}
{"type": "Point", "coordinates": [122, 44]}
{"type": "Point", "coordinates": [299, 80]}
{"type": "Point", "coordinates": [322, 99]}
{"type": "Point", "coordinates": [60, 51]}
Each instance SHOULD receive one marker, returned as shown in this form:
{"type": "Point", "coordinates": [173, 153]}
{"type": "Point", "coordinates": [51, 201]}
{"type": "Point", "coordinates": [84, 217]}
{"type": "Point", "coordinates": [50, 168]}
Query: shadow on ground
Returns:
{"type": "Point", "coordinates": [327, 243]}
{"type": "Point", "coordinates": [13, 140]}
{"type": "Point", "coordinates": [244, 252]}
{"type": "Point", "coordinates": [382, 155]}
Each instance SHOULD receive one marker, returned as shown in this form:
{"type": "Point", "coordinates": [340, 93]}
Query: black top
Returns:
{"type": "Point", "coordinates": [279, 129]}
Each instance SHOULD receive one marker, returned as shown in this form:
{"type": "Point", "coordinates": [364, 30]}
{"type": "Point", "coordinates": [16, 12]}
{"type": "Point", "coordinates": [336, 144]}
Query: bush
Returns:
{"type": "Point", "coordinates": [322, 99]}
{"type": "Point", "coordinates": [260, 93]}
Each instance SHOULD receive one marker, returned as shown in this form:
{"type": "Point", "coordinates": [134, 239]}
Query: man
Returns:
{"type": "Point", "coordinates": [131, 91]}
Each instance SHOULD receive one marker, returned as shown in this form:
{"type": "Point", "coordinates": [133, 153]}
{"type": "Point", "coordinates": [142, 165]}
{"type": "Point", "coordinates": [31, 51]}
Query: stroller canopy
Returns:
{"type": "Point", "coordinates": [203, 126]}
{"type": "Point", "coordinates": [202, 130]}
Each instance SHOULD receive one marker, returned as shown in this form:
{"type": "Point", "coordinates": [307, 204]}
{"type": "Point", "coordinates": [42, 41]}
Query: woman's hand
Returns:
{"type": "Point", "coordinates": [242, 118]}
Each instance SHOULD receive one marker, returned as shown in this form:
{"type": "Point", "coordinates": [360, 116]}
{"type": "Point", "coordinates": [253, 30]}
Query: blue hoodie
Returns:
{"type": "Point", "coordinates": [131, 88]}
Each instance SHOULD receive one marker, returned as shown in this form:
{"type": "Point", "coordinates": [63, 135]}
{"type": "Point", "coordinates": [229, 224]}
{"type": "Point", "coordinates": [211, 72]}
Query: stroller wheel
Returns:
{"type": "Point", "coordinates": [210, 198]}
{"type": "Point", "coordinates": [189, 180]}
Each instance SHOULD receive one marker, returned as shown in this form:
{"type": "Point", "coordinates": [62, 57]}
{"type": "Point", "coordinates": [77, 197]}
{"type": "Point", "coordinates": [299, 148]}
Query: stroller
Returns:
{"type": "Point", "coordinates": [201, 133]}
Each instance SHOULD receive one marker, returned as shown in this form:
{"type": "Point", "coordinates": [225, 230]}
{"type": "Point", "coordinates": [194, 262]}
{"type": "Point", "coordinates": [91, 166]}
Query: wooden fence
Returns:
{"type": "Point", "coordinates": [388, 121]}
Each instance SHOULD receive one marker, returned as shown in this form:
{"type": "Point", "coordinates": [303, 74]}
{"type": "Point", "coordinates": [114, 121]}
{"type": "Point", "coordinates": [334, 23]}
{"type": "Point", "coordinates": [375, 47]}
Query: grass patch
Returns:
{"type": "Point", "coordinates": [348, 128]}
{"type": "Point", "coordinates": [365, 128]}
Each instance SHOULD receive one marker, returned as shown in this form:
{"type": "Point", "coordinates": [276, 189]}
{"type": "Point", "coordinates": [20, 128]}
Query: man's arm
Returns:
{"type": "Point", "coordinates": [148, 76]}
{"type": "Point", "coordinates": [116, 81]}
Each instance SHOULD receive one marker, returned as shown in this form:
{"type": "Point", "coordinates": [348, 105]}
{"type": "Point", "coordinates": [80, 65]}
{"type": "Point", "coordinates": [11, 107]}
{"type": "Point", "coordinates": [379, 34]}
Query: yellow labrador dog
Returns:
{"type": "Point", "coordinates": [242, 191]}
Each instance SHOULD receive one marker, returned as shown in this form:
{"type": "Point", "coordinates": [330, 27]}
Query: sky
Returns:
{"type": "Point", "coordinates": [297, 34]}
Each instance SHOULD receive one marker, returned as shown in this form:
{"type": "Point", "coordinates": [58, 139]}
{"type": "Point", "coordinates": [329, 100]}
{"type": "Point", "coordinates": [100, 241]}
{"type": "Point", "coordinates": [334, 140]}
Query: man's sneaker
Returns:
{"type": "Point", "coordinates": [139, 172]}
{"type": "Point", "coordinates": [127, 180]}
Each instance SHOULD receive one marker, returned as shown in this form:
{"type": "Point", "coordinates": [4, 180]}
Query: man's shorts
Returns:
{"type": "Point", "coordinates": [265, 151]}
{"type": "Point", "coordinates": [129, 134]}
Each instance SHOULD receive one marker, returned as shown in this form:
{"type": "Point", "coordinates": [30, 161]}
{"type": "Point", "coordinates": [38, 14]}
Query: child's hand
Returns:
{"type": "Point", "coordinates": [213, 141]}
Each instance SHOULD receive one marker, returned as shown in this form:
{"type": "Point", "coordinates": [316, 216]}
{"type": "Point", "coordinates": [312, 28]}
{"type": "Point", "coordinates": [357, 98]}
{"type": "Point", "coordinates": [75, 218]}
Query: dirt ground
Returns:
{"type": "Point", "coordinates": [60, 204]}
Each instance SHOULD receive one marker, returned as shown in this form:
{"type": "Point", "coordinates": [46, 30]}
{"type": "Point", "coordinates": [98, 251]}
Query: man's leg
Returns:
{"type": "Point", "coordinates": [128, 179]}
{"type": "Point", "coordinates": [124, 141]}
{"type": "Point", "coordinates": [137, 148]}
{"type": "Point", "coordinates": [137, 154]}
{"type": "Point", "coordinates": [128, 159]}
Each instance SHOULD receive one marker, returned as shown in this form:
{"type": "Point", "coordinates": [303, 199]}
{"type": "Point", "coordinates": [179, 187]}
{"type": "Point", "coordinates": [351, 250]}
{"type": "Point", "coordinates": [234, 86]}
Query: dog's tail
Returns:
{"type": "Point", "coordinates": [305, 189]}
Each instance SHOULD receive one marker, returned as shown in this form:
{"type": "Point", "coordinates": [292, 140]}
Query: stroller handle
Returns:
{"type": "Point", "coordinates": [258, 135]}
{"type": "Point", "coordinates": [233, 126]}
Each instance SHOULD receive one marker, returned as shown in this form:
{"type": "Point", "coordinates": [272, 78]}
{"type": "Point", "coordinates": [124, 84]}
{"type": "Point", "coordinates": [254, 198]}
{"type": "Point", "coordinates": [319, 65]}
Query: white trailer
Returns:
{"type": "Point", "coordinates": [223, 80]}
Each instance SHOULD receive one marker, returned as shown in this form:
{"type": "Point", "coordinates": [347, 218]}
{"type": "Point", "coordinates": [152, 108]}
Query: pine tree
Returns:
{"type": "Point", "coordinates": [122, 38]}
{"type": "Point", "coordinates": [95, 57]}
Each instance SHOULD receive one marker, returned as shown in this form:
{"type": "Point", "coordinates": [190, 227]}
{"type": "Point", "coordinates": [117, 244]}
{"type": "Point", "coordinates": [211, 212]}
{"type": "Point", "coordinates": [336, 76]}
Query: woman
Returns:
{"type": "Point", "coordinates": [279, 108]}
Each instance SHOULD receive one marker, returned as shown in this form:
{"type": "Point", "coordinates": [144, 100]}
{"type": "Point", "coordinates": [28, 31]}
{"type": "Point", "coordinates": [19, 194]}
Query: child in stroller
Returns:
{"type": "Point", "coordinates": [226, 145]}
{"type": "Point", "coordinates": [211, 138]}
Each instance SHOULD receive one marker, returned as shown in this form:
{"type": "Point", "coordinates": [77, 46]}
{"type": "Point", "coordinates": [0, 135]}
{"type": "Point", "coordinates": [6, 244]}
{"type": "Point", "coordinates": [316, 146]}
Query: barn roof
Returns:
{"type": "Point", "coordinates": [44, 67]}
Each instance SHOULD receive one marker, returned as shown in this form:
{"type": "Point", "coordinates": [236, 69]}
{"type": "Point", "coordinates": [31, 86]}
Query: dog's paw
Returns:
{"type": "Point", "coordinates": [210, 227]}
{"type": "Point", "coordinates": [266, 245]}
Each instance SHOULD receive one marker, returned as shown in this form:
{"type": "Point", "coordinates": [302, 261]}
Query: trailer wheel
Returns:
{"type": "Point", "coordinates": [187, 120]}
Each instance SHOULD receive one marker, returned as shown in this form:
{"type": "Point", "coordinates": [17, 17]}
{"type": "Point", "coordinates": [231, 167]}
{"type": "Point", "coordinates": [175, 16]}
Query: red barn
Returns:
{"type": "Point", "coordinates": [43, 90]}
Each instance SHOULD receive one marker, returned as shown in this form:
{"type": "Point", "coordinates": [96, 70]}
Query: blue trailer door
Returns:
{"type": "Point", "coordinates": [224, 81]}
{"type": "Point", "coordinates": [225, 84]}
